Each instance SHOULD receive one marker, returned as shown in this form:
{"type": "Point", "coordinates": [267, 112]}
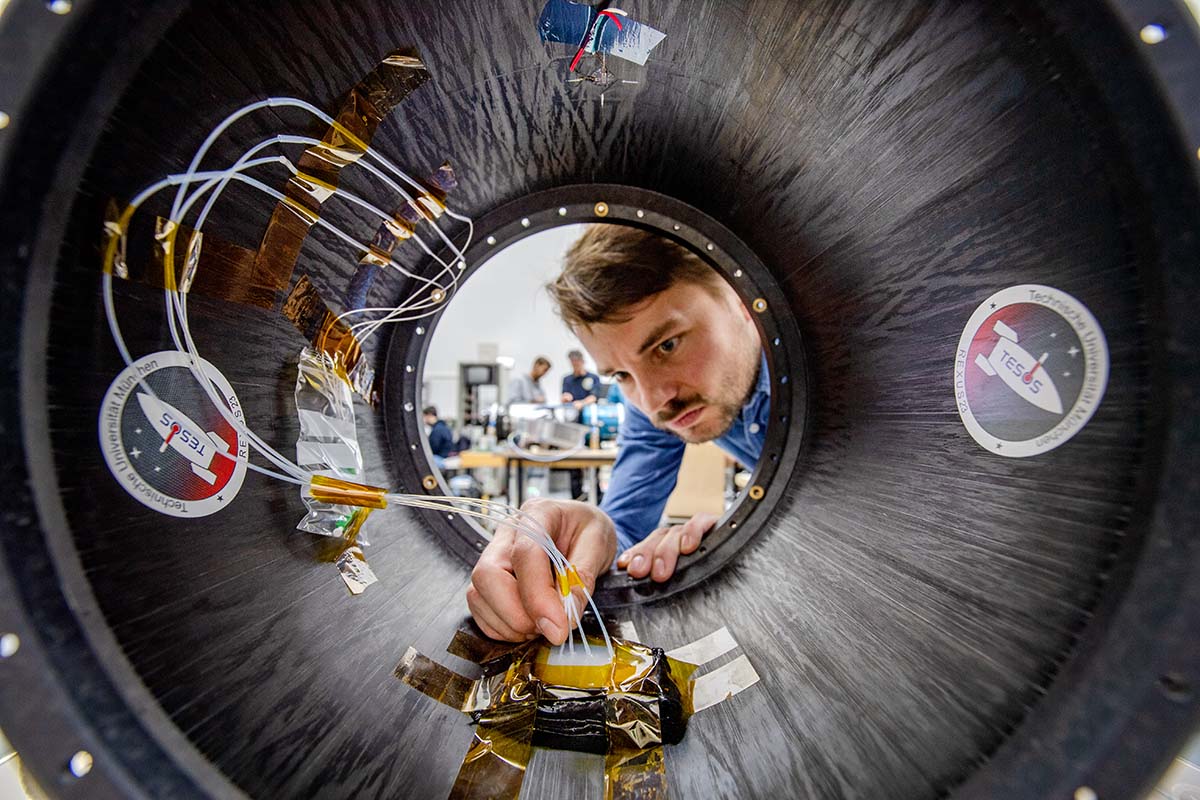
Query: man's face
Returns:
{"type": "Point", "coordinates": [577, 365]}
{"type": "Point", "coordinates": [687, 358]}
{"type": "Point", "coordinates": [430, 419]}
{"type": "Point", "coordinates": [539, 370]}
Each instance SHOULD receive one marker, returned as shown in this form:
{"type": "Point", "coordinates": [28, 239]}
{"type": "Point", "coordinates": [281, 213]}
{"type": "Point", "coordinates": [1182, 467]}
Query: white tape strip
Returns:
{"type": "Point", "coordinates": [722, 683]}
{"type": "Point", "coordinates": [701, 651]}
{"type": "Point", "coordinates": [628, 631]}
{"type": "Point", "coordinates": [315, 425]}
{"type": "Point", "coordinates": [339, 456]}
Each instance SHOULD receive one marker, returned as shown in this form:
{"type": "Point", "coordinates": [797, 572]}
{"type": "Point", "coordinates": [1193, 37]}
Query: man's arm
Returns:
{"type": "Point", "coordinates": [513, 595]}
{"type": "Point", "coordinates": [643, 477]}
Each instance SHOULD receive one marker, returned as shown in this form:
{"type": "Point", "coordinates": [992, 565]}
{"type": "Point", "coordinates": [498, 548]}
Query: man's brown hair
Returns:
{"type": "Point", "coordinates": [614, 267]}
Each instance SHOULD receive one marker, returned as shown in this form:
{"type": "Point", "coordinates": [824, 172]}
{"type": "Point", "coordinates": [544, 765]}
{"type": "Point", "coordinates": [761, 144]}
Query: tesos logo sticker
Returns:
{"type": "Point", "coordinates": [170, 447]}
{"type": "Point", "coordinates": [1031, 369]}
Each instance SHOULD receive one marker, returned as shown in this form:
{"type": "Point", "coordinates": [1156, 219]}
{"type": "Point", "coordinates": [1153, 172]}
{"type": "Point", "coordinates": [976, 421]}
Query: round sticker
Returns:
{"type": "Point", "coordinates": [1031, 369]}
{"type": "Point", "coordinates": [587, 383]}
{"type": "Point", "coordinates": [165, 442]}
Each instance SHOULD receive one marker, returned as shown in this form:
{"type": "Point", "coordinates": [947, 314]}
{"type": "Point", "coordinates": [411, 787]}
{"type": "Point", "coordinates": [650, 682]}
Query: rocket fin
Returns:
{"type": "Point", "coordinates": [1005, 331]}
{"type": "Point", "coordinates": [209, 477]}
{"type": "Point", "coordinates": [984, 365]}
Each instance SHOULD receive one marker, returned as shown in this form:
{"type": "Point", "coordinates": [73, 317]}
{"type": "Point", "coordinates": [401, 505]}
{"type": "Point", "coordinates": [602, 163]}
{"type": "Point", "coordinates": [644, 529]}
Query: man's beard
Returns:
{"type": "Point", "coordinates": [727, 411]}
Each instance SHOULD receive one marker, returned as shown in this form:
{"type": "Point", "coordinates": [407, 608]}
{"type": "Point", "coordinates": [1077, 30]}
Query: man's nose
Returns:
{"type": "Point", "coordinates": [658, 393]}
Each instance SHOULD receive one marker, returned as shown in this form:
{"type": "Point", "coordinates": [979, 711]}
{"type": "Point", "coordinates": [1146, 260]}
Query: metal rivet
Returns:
{"type": "Point", "coordinates": [462, 265]}
{"type": "Point", "coordinates": [59, 7]}
{"type": "Point", "coordinates": [420, 331]}
{"type": "Point", "coordinates": [525, 222]}
{"type": "Point", "coordinates": [413, 446]}
{"type": "Point", "coordinates": [491, 240]}
{"type": "Point", "coordinates": [641, 213]}
{"type": "Point", "coordinates": [1175, 687]}
{"type": "Point", "coordinates": [733, 525]}
{"type": "Point", "coordinates": [759, 305]}
{"type": "Point", "coordinates": [437, 295]}
{"type": "Point", "coordinates": [1153, 34]}
{"type": "Point", "coordinates": [737, 273]}
{"type": "Point", "coordinates": [601, 209]}
{"type": "Point", "coordinates": [674, 227]}
{"type": "Point", "coordinates": [775, 341]}
{"type": "Point", "coordinates": [4, 120]}
{"type": "Point", "coordinates": [408, 367]}
{"type": "Point", "coordinates": [10, 643]}
{"type": "Point", "coordinates": [709, 246]}
{"type": "Point", "coordinates": [756, 492]}
{"type": "Point", "coordinates": [408, 406]}
{"type": "Point", "coordinates": [449, 516]}
{"type": "Point", "coordinates": [562, 212]}
{"type": "Point", "coordinates": [81, 763]}
{"type": "Point", "coordinates": [1086, 793]}
{"type": "Point", "coordinates": [429, 482]}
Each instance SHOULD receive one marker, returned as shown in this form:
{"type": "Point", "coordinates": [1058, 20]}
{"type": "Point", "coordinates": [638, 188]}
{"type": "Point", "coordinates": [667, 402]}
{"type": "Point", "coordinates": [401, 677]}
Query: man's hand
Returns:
{"type": "Point", "coordinates": [566, 397]}
{"type": "Point", "coordinates": [657, 553]}
{"type": "Point", "coordinates": [513, 593]}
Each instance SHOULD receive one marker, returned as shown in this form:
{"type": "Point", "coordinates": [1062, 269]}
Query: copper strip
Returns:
{"type": "Point", "coordinates": [433, 680]}
{"type": "Point", "coordinates": [477, 650]}
{"type": "Point", "coordinates": [494, 766]}
{"type": "Point", "coordinates": [366, 105]}
{"type": "Point", "coordinates": [640, 775]}
{"type": "Point", "coordinates": [308, 312]}
{"type": "Point", "coordinates": [347, 493]}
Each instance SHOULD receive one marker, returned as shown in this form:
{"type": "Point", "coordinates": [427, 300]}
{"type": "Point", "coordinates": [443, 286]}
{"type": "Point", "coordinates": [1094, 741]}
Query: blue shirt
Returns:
{"type": "Point", "coordinates": [441, 440]}
{"type": "Point", "coordinates": [581, 386]}
{"type": "Point", "coordinates": [647, 464]}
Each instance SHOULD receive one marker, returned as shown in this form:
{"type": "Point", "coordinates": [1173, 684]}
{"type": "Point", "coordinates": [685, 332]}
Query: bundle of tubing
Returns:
{"type": "Point", "coordinates": [423, 302]}
{"type": "Point", "coordinates": [546, 458]}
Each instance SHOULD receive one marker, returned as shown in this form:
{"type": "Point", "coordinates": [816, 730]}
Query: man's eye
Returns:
{"type": "Point", "coordinates": [620, 377]}
{"type": "Point", "coordinates": [669, 345]}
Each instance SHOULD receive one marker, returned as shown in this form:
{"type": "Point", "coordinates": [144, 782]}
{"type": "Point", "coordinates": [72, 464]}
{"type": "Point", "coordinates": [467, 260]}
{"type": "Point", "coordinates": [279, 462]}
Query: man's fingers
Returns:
{"type": "Point", "coordinates": [538, 590]}
{"type": "Point", "coordinates": [694, 530]}
{"type": "Point", "coordinates": [638, 559]}
{"type": "Point", "coordinates": [666, 553]}
{"type": "Point", "coordinates": [489, 622]}
{"type": "Point", "coordinates": [497, 588]}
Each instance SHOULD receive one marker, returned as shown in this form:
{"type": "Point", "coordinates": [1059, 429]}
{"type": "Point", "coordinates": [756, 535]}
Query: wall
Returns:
{"type": "Point", "coordinates": [504, 303]}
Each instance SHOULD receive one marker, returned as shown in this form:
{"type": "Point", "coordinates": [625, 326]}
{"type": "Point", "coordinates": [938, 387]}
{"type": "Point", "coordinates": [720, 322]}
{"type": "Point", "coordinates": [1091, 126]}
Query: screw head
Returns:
{"type": "Point", "coordinates": [601, 209]}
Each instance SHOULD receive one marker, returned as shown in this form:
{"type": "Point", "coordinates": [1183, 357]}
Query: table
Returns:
{"type": "Point", "coordinates": [505, 458]}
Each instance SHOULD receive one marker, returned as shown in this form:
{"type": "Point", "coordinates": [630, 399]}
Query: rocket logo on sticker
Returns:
{"type": "Point", "coordinates": [165, 442]}
{"type": "Point", "coordinates": [1030, 371]}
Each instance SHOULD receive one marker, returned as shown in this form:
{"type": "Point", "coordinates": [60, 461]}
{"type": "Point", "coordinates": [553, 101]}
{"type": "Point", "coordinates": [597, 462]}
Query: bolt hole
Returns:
{"type": "Point", "coordinates": [1175, 686]}
{"type": "Point", "coordinates": [80, 763]}
{"type": "Point", "coordinates": [774, 456]}
{"type": "Point", "coordinates": [10, 643]}
{"type": "Point", "coordinates": [1152, 33]}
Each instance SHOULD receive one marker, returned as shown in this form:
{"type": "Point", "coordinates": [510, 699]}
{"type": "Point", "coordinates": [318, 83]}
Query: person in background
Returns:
{"type": "Point", "coordinates": [579, 389]}
{"type": "Point", "coordinates": [527, 388]}
{"type": "Point", "coordinates": [441, 440]}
